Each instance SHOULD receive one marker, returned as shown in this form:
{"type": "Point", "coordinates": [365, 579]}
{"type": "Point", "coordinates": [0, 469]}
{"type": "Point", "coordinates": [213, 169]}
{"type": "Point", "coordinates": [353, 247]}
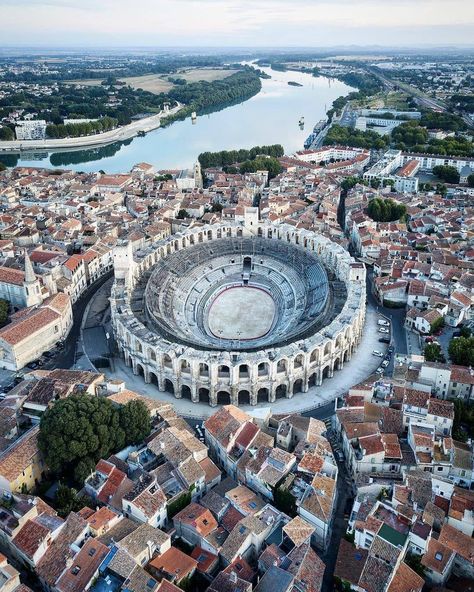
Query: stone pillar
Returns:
{"type": "Point", "coordinates": [254, 394]}
{"type": "Point", "coordinates": [272, 394]}
{"type": "Point", "coordinates": [319, 377]}
{"type": "Point", "coordinates": [289, 390]}
{"type": "Point", "coordinates": [194, 392]}
{"type": "Point", "coordinates": [234, 395]}
{"type": "Point", "coordinates": [212, 396]}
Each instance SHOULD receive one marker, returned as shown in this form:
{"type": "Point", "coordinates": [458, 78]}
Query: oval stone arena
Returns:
{"type": "Point", "coordinates": [240, 313]}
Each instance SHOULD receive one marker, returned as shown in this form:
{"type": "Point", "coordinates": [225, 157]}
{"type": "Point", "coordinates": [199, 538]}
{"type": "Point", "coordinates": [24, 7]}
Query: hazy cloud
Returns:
{"type": "Point", "coordinates": [236, 22]}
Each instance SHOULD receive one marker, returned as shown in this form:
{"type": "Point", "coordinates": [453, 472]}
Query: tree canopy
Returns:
{"type": "Point", "coordinates": [385, 210]}
{"type": "Point", "coordinates": [446, 173]}
{"type": "Point", "coordinates": [229, 157]}
{"type": "Point", "coordinates": [461, 351]}
{"type": "Point", "coordinates": [346, 136]}
{"type": "Point", "coordinates": [78, 431]}
{"type": "Point", "coordinates": [262, 163]}
{"type": "Point", "coordinates": [433, 353]}
{"type": "Point", "coordinates": [135, 421]}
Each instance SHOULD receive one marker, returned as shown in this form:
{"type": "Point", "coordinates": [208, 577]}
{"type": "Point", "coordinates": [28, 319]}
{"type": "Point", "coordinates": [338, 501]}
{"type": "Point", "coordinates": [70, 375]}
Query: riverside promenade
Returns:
{"type": "Point", "coordinates": [119, 134]}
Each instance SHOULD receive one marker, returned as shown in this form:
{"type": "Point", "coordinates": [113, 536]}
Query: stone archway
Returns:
{"type": "Point", "coordinates": [153, 378]}
{"type": "Point", "coordinates": [313, 379]}
{"type": "Point", "coordinates": [186, 392]}
{"type": "Point", "coordinates": [298, 386]}
{"type": "Point", "coordinates": [326, 371]}
{"type": "Point", "coordinates": [223, 398]}
{"type": "Point", "coordinates": [169, 387]}
{"type": "Point", "coordinates": [263, 395]}
{"type": "Point", "coordinates": [140, 370]}
{"type": "Point", "coordinates": [244, 397]}
{"type": "Point", "coordinates": [204, 395]}
{"type": "Point", "coordinates": [281, 391]}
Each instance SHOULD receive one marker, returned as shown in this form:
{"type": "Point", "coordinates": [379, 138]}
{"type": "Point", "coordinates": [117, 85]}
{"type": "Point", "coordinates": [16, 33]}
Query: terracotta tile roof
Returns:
{"type": "Point", "coordinates": [242, 569]}
{"type": "Point", "coordinates": [84, 566]}
{"type": "Point", "coordinates": [54, 561]}
{"type": "Point", "coordinates": [231, 518]}
{"type": "Point", "coordinates": [437, 556]}
{"type": "Point", "coordinates": [197, 517]}
{"type": "Point", "coordinates": [459, 542]}
{"type": "Point", "coordinates": [8, 275]}
{"type": "Point", "coordinates": [24, 328]}
{"type": "Point", "coordinates": [350, 562]}
{"type": "Point", "coordinates": [405, 580]}
{"type": "Point", "coordinates": [100, 518]}
{"type": "Point", "coordinates": [298, 530]}
{"type": "Point", "coordinates": [20, 455]}
{"type": "Point", "coordinates": [210, 469]}
{"type": "Point", "coordinates": [375, 575]}
{"type": "Point", "coordinates": [30, 536]}
{"type": "Point", "coordinates": [206, 560]}
{"type": "Point", "coordinates": [174, 563]}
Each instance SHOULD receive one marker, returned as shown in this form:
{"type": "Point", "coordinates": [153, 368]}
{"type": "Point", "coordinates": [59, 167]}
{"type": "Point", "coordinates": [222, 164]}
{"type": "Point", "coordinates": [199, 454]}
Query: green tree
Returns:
{"type": "Point", "coordinates": [436, 325]}
{"type": "Point", "coordinates": [284, 501]}
{"type": "Point", "coordinates": [68, 500]}
{"type": "Point", "coordinates": [262, 163]}
{"type": "Point", "coordinates": [446, 173]}
{"type": "Point", "coordinates": [78, 431]}
{"type": "Point", "coordinates": [135, 421]}
{"type": "Point", "coordinates": [6, 133]}
{"type": "Point", "coordinates": [182, 214]}
{"type": "Point", "coordinates": [414, 561]}
{"type": "Point", "coordinates": [385, 210]}
{"type": "Point", "coordinates": [4, 308]}
{"type": "Point", "coordinates": [461, 351]}
{"type": "Point", "coordinates": [470, 180]}
{"type": "Point", "coordinates": [433, 353]}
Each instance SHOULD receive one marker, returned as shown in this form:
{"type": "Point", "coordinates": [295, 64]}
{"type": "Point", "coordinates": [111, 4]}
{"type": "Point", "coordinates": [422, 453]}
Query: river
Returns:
{"type": "Point", "coordinates": [270, 117]}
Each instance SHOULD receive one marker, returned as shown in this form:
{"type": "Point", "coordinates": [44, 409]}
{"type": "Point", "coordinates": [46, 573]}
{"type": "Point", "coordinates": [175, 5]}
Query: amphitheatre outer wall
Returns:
{"type": "Point", "coordinates": [240, 376]}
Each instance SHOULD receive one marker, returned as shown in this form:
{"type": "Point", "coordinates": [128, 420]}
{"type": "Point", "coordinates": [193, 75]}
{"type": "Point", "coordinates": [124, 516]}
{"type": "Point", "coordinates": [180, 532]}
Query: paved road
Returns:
{"type": "Point", "coordinates": [66, 358]}
{"type": "Point", "coordinates": [119, 134]}
{"type": "Point", "coordinates": [396, 316]}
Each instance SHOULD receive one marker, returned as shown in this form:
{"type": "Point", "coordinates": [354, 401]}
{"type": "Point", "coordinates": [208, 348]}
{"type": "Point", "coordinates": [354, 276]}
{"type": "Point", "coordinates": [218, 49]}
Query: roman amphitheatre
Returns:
{"type": "Point", "coordinates": [240, 312]}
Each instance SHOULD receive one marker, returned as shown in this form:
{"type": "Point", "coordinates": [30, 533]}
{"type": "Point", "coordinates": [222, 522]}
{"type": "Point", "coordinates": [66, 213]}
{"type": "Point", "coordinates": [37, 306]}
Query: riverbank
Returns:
{"type": "Point", "coordinates": [120, 134]}
{"type": "Point", "coordinates": [269, 117]}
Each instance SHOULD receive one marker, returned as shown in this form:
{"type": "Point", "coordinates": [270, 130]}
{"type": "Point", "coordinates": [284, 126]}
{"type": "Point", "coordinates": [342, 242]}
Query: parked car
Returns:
{"type": "Point", "coordinates": [379, 370]}
{"type": "Point", "coordinates": [33, 365]}
{"type": "Point", "coordinates": [385, 363]}
{"type": "Point", "coordinates": [383, 330]}
{"type": "Point", "coordinates": [383, 322]}
{"type": "Point", "coordinates": [340, 456]}
{"type": "Point", "coordinates": [377, 353]}
{"type": "Point", "coordinates": [384, 340]}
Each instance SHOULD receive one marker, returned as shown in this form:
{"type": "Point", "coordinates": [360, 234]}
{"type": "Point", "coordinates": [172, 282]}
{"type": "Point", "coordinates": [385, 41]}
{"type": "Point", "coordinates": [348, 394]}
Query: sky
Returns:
{"type": "Point", "coordinates": [233, 23]}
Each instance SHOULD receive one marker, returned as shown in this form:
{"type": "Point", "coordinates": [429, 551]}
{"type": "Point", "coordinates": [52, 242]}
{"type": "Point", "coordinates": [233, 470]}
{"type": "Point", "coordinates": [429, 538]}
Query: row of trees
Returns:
{"type": "Point", "coordinates": [262, 163]}
{"type": "Point", "coordinates": [76, 130]}
{"type": "Point", "coordinates": [347, 136]}
{"type": "Point", "coordinates": [413, 136]}
{"type": "Point", "coordinates": [229, 157]}
{"type": "Point", "coordinates": [78, 431]}
{"type": "Point", "coordinates": [385, 210]}
{"type": "Point", "coordinates": [444, 121]}
{"type": "Point", "coordinates": [202, 95]}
